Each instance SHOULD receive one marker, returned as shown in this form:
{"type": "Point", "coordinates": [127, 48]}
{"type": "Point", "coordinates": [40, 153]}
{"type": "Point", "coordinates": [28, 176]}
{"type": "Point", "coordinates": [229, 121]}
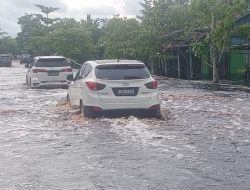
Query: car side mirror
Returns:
{"type": "Point", "coordinates": [70, 77]}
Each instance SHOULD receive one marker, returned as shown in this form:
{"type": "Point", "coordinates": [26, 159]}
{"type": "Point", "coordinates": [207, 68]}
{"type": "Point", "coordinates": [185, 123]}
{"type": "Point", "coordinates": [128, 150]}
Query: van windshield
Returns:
{"type": "Point", "coordinates": [122, 72]}
{"type": "Point", "coordinates": [55, 62]}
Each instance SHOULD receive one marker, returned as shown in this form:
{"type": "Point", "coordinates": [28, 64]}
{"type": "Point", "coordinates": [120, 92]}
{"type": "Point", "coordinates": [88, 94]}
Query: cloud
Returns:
{"type": "Point", "coordinates": [131, 8]}
{"type": "Point", "coordinates": [11, 10]}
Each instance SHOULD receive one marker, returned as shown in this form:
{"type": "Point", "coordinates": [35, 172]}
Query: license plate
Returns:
{"type": "Point", "coordinates": [53, 73]}
{"type": "Point", "coordinates": [125, 92]}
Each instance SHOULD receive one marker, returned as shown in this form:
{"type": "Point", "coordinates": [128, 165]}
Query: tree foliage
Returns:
{"type": "Point", "coordinates": [7, 44]}
{"type": "Point", "coordinates": [219, 16]}
{"type": "Point", "coordinates": [162, 17]}
{"type": "Point", "coordinates": [124, 38]}
{"type": "Point", "coordinates": [136, 38]}
{"type": "Point", "coordinates": [244, 30]}
{"type": "Point", "coordinates": [71, 39]}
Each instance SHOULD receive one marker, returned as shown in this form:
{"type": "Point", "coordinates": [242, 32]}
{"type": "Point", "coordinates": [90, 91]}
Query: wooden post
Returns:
{"type": "Point", "coordinates": [178, 63]}
{"type": "Point", "coordinates": [166, 66]}
{"type": "Point", "coordinates": [190, 61]}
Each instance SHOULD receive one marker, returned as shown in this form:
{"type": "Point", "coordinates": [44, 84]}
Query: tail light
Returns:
{"type": "Point", "coordinates": [66, 70]}
{"type": "Point", "coordinates": [95, 86]}
{"type": "Point", "coordinates": [38, 70]}
{"type": "Point", "coordinates": [152, 85]}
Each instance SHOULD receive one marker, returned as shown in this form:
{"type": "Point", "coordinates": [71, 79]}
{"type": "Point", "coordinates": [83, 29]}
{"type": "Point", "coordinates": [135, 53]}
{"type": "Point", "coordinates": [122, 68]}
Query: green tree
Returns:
{"type": "Point", "coordinates": [45, 36]}
{"type": "Point", "coordinates": [219, 15]}
{"type": "Point", "coordinates": [2, 33]}
{"type": "Point", "coordinates": [8, 45]}
{"type": "Point", "coordinates": [97, 31]}
{"type": "Point", "coordinates": [31, 29]}
{"type": "Point", "coordinates": [35, 29]}
{"type": "Point", "coordinates": [71, 39]}
{"type": "Point", "coordinates": [161, 17]}
{"type": "Point", "coordinates": [47, 10]}
{"type": "Point", "coordinates": [125, 38]}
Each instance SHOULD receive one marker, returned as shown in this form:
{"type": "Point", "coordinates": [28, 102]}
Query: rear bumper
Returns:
{"type": "Point", "coordinates": [50, 84]}
{"type": "Point", "coordinates": [150, 112]}
{"type": "Point", "coordinates": [94, 101]}
{"type": "Point", "coordinates": [128, 106]}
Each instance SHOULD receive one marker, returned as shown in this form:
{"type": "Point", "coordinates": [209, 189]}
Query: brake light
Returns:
{"type": "Point", "coordinates": [95, 86]}
{"type": "Point", "coordinates": [152, 85]}
{"type": "Point", "coordinates": [38, 70]}
{"type": "Point", "coordinates": [66, 70]}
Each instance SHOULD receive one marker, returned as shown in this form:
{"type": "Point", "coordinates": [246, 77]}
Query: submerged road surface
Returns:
{"type": "Point", "coordinates": [202, 143]}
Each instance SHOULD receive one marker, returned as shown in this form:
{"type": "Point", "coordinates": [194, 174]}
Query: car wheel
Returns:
{"type": "Point", "coordinates": [31, 85]}
{"type": "Point", "coordinates": [68, 101]}
{"type": "Point", "coordinates": [27, 82]}
{"type": "Point", "coordinates": [87, 112]}
{"type": "Point", "coordinates": [83, 109]}
{"type": "Point", "coordinates": [156, 113]}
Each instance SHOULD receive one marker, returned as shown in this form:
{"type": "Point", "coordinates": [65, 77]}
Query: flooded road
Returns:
{"type": "Point", "coordinates": [202, 143]}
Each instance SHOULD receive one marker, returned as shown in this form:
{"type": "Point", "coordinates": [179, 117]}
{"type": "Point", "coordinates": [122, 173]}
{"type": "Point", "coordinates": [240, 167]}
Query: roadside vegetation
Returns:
{"type": "Point", "coordinates": [132, 38]}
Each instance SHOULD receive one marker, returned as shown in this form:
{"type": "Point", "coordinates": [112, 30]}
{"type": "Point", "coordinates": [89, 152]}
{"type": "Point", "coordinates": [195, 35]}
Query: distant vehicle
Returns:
{"type": "Point", "coordinates": [25, 58]}
{"type": "Point", "coordinates": [5, 60]}
{"type": "Point", "coordinates": [114, 85]}
{"type": "Point", "coordinates": [48, 71]}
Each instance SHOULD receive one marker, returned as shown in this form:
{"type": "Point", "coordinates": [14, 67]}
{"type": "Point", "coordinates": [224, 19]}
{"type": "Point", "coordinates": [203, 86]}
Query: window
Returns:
{"type": "Point", "coordinates": [86, 71]}
{"type": "Point", "coordinates": [32, 62]}
{"type": "Point", "coordinates": [52, 62]}
{"type": "Point", "coordinates": [122, 72]}
{"type": "Point", "coordinates": [79, 73]}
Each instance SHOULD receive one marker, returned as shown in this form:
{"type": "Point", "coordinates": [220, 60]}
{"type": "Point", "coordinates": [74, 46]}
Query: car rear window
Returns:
{"type": "Point", "coordinates": [55, 62]}
{"type": "Point", "coordinates": [122, 72]}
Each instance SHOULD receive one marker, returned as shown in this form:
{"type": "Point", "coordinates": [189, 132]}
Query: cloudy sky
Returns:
{"type": "Point", "coordinates": [11, 10]}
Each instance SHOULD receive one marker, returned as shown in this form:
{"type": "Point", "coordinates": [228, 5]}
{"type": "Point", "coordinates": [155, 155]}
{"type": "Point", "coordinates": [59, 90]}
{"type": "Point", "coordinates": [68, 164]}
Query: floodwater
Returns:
{"type": "Point", "coordinates": [203, 142]}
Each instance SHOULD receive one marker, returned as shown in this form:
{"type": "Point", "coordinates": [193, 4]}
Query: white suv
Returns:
{"type": "Point", "coordinates": [48, 71]}
{"type": "Point", "coordinates": [110, 85]}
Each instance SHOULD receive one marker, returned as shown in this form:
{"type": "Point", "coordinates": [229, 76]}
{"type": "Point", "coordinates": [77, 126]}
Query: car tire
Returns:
{"type": "Point", "coordinates": [27, 82]}
{"type": "Point", "coordinates": [86, 112]}
{"type": "Point", "coordinates": [68, 101]}
{"type": "Point", "coordinates": [156, 113]}
{"type": "Point", "coordinates": [31, 85]}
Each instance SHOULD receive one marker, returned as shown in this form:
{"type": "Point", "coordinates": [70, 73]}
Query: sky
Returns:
{"type": "Point", "coordinates": [11, 10]}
